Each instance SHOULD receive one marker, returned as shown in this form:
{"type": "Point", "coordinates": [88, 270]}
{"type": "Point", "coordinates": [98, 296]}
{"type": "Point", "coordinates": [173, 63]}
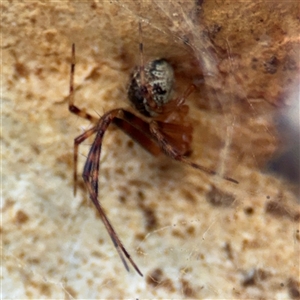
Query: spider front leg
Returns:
{"type": "Point", "coordinates": [77, 142]}
{"type": "Point", "coordinates": [72, 107]}
{"type": "Point", "coordinates": [79, 112]}
{"type": "Point", "coordinates": [91, 173]}
{"type": "Point", "coordinates": [132, 125]}
{"type": "Point", "coordinates": [113, 235]}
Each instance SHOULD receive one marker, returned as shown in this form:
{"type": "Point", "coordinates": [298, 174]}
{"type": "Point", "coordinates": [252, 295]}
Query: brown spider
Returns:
{"type": "Point", "coordinates": [163, 128]}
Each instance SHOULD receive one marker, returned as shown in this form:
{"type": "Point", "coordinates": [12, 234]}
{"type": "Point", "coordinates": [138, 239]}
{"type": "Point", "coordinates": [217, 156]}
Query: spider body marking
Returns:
{"type": "Point", "coordinates": [149, 96]}
{"type": "Point", "coordinates": [165, 130]}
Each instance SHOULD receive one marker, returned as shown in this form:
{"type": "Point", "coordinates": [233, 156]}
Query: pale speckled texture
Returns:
{"type": "Point", "coordinates": [193, 236]}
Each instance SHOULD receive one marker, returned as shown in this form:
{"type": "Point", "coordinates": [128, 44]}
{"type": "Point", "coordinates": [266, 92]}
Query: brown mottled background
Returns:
{"type": "Point", "coordinates": [192, 235]}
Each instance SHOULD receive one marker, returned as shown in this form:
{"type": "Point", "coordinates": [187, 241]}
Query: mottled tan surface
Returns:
{"type": "Point", "coordinates": [193, 236]}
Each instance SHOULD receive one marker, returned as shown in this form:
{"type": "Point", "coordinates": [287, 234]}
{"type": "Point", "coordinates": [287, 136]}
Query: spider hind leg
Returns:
{"type": "Point", "coordinates": [171, 151]}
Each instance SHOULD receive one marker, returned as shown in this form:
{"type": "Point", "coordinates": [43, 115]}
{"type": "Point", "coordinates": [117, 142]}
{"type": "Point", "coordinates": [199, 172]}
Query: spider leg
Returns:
{"type": "Point", "coordinates": [92, 165]}
{"type": "Point", "coordinates": [172, 152]}
{"type": "Point", "coordinates": [146, 142]}
{"type": "Point", "coordinates": [77, 142]}
{"type": "Point", "coordinates": [72, 107]}
{"type": "Point", "coordinates": [90, 177]}
{"type": "Point", "coordinates": [139, 131]}
{"type": "Point", "coordinates": [133, 126]}
{"type": "Point", "coordinates": [177, 103]}
{"type": "Point", "coordinates": [141, 48]}
{"type": "Point", "coordinates": [113, 235]}
{"type": "Point", "coordinates": [81, 113]}
{"type": "Point", "coordinates": [180, 100]}
{"type": "Point", "coordinates": [179, 135]}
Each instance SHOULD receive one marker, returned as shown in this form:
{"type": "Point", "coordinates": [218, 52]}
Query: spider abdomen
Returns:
{"type": "Point", "coordinates": [149, 91]}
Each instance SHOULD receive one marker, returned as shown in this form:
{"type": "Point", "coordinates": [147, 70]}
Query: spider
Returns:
{"type": "Point", "coordinates": [160, 126]}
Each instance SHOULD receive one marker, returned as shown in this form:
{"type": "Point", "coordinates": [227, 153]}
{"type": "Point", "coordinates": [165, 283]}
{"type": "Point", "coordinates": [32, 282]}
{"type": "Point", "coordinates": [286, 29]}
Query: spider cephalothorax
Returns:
{"type": "Point", "coordinates": [166, 130]}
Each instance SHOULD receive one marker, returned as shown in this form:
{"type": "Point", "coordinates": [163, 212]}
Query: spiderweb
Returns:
{"type": "Point", "coordinates": [192, 235]}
